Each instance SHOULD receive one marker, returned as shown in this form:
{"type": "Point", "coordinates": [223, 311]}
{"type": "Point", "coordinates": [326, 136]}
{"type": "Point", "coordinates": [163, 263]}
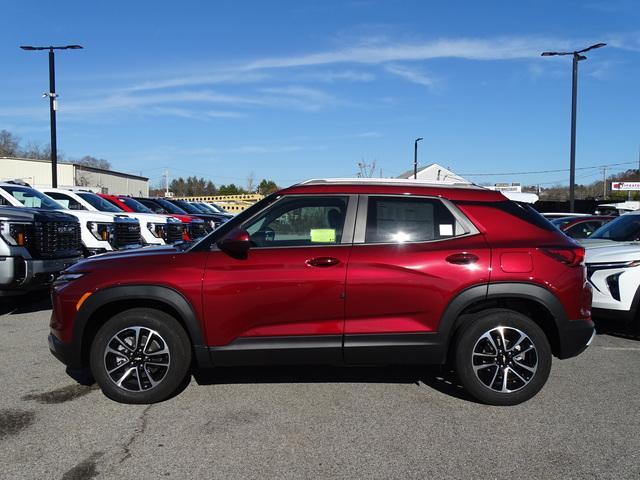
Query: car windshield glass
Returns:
{"type": "Point", "coordinates": [32, 198]}
{"type": "Point", "coordinates": [134, 205]}
{"type": "Point", "coordinates": [210, 207]}
{"type": "Point", "coordinates": [205, 208]}
{"type": "Point", "coordinates": [561, 222]}
{"type": "Point", "coordinates": [99, 203]}
{"type": "Point", "coordinates": [187, 207]}
{"type": "Point", "coordinates": [623, 229]}
{"type": "Point", "coordinates": [170, 207]}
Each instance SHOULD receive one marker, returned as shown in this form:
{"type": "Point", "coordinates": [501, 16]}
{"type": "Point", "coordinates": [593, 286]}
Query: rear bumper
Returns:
{"type": "Point", "coordinates": [575, 337]}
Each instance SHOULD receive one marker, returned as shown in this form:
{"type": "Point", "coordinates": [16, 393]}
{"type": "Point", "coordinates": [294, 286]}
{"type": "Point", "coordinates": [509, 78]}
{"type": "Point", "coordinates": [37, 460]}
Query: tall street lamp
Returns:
{"type": "Point", "coordinates": [53, 104]}
{"type": "Point", "coordinates": [415, 158]}
{"type": "Point", "coordinates": [574, 98]}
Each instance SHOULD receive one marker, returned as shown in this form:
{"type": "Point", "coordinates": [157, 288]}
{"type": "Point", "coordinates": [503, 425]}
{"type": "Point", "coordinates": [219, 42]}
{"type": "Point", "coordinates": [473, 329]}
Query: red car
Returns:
{"type": "Point", "coordinates": [185, 232]}
{"type": "Point", "coordinates": [581, 227]}
{"type": "Point", "coordinates": [341, 272]}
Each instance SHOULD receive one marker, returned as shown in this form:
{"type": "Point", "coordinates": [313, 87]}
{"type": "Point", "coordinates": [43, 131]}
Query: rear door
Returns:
{"type": "Point", "coordinates": [411, 256]}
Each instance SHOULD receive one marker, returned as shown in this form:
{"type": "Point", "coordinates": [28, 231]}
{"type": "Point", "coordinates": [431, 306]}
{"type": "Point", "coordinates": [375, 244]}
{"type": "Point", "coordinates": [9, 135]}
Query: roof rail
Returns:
{"type": "Point", "coordinates": [388, 181]}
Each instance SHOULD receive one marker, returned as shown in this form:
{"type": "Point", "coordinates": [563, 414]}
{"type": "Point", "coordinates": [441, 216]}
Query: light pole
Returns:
{"type": "Point", "coordinates": [53, 104]}
{"type": "Point", "coordinates": [574, 100]}
{"type": "Point", "coordinates": [415, 158]}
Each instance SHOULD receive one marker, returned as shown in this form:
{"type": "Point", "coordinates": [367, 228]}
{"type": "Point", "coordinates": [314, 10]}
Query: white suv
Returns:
{"type": "Point", "coordinates": [613, 268]}
{"type": "Point", "coordinates": [153, 228]}
{"type": "Point", "coordinates": [100, 232]}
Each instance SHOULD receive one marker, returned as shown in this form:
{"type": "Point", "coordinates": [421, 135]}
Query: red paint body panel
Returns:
{"type": "Point", "coordinates": [406, 287]}
{"type": "Point", "coordinates": [274, 292]}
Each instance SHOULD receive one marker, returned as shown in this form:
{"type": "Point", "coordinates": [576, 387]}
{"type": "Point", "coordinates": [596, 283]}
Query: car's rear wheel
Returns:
{"type": "Point", "coordinates": [141, 355]}
{"type": "Point", "coordinates": [502, 357]}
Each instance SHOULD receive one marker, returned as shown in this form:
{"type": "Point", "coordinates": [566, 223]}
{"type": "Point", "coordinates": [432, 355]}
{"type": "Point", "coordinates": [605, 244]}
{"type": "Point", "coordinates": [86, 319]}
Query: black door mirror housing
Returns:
{"type": "Point", "coordinates": [236, 243]}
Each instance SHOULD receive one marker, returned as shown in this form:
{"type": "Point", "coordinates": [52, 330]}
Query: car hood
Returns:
{"type": "Point", "coordinates": [613, 252]}
{"type": "Point", "coordinates": [89, 216]}
{"type": "Point", "coordinates": [106, 260]}
{"type": "Point", "coordinates": [27, 214]}
{"type": "Point", "coordinates": [597, 242]}
{"type": "Point", "coordinates": [145, 217]}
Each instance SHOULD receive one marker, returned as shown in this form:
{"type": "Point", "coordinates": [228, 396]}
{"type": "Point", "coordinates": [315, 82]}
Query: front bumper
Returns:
{"type": "Point", "coordinates": [19, 275]}
{"type": "Point", "coordinates": [65, 353]}
{"type": "Point", "coordinates": [575, 337]}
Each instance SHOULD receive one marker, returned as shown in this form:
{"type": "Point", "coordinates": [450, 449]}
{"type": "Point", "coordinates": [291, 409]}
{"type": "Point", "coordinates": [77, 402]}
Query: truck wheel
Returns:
{"type": "Point", "coordinates": [502, 357]}
{"type": "Point", "coordinates": [140, 355]}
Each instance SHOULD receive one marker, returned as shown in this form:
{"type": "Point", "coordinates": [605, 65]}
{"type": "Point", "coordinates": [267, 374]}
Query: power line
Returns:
{"type": "Point", "coordinates": [545, 171]}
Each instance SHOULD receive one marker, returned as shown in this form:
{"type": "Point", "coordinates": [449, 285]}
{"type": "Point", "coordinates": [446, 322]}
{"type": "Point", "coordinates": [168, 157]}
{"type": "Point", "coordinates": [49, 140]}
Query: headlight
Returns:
{"type": "Point", "coordinates": [102, 231]}
{"type": "Point", "coordinates": [15, 233]}
{"type": "Point", "coordinates": [159, 230]}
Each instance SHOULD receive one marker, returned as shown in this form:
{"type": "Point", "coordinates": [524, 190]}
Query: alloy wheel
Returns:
{"type": "Point", "coordinates": [504, 359]}
{"type": "Point", "coordinates": [137, 359]}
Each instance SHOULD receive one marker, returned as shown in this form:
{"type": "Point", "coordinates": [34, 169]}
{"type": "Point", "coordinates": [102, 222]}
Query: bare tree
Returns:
{"type": "Point", "coordinates": [251, 183]}
{"type": "Point", "coordinates": [366, 170]}
{"type": "Point", "coordinates": [9, 144]}
{"type": "Point", "coordinates": [90, 161]}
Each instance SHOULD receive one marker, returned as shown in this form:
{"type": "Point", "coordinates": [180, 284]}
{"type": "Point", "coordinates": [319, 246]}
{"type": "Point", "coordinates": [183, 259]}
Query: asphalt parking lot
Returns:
{"type": "Point", "coordinates": [316, 422]}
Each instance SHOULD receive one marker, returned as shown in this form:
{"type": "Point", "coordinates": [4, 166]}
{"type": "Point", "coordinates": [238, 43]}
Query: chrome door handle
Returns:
{"type": "Point", "coordinates": [322, 262]}
{"type": "Point", "coordinates": [462, 258]}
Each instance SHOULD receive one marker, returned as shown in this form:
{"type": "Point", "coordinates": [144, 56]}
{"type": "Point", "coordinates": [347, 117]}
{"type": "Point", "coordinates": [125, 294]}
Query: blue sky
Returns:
{"type": "Point", "coordinates": [290, 90]}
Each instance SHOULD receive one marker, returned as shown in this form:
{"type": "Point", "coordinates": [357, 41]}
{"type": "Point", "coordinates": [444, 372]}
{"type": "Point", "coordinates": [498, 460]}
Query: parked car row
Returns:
{"type": "Point", "coordinates": [42, 231]}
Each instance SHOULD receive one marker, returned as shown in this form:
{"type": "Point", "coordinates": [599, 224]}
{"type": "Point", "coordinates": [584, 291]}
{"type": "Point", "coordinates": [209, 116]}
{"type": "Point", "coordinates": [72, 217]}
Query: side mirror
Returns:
{"type": "Point", "coordinates": [236, 243]}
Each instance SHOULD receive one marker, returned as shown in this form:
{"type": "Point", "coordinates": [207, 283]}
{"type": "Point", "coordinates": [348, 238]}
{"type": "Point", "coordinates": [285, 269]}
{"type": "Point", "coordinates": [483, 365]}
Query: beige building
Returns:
{"type": "Point", "coordinates": [37, 173]}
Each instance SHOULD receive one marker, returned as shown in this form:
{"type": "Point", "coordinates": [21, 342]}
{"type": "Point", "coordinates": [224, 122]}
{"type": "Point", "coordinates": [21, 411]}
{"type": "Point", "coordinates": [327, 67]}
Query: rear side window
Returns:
{"type": "Point", "coordinates": [405, 219]}
{"type": "Point", "coordinates": [522, 211]}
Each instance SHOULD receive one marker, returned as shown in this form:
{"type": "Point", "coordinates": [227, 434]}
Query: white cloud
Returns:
{"type": "Point", "coordinates": [412, 75]}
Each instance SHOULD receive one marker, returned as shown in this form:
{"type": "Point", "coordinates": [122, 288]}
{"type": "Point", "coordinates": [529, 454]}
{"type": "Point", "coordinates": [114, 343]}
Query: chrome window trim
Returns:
{"type": "Point", "coordinates": [347, 230]}
{"type": "Point", "coordinates": [361, 221]}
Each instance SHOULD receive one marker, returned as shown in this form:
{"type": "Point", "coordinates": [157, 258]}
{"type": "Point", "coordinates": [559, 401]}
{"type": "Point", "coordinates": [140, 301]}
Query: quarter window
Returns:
{"type": "Point", "coordinates": [405, 219]}
{"type": "Point", "coordinates": [300, 221]}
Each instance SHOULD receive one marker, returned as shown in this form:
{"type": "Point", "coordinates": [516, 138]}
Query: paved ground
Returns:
{"type": "Point", "coordinates": [316, 423]}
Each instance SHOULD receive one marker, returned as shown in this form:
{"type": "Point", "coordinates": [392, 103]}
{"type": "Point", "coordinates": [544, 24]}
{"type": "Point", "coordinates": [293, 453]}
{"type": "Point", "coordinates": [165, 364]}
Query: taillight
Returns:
{"type": "Point", "coordinates": [572, 256]}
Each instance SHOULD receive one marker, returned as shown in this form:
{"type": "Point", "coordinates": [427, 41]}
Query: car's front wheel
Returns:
{"type": "Point", "coordinates": [141, 355]}
{"type": "Point", "coordinates": [502, 357]}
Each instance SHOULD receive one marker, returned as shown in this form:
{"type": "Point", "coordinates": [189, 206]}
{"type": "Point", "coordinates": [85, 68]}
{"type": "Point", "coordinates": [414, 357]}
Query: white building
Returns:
{"type": "Point", "coordinates": [37, 173]}
{"type": "Point", "coordinates": [435, 173]}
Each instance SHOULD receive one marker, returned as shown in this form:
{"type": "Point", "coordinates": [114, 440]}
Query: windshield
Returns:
{"type": "Point", "coordinates": [32, 198]}
{"type": "Point", "coordinates": [623, 229]}
{"type": "Point", "coordinates": [98, 203]}
{"type": "Point", "coordinates": [134, 205]}
{"type": "Point", "coordinates": [169, 207]}
{"type": "Point", "coordinates": [187, 207]}
{"type": "Point", "coordinates": [562, 221]}
{"type": "Point", "coordinates": [212, 207]}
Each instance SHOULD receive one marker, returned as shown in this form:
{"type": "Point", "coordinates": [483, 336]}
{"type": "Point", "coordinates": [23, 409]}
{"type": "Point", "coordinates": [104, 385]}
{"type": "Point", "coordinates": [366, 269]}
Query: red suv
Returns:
{"type": "Point", "coordinates": [340, 272]}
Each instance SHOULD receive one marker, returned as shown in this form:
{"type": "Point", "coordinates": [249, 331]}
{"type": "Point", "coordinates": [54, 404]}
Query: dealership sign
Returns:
{"type": "Point", "coordinates": [625, 186]}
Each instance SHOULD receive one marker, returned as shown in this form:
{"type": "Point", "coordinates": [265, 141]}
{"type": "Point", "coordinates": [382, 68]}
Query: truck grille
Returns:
{"type": "Point", "coordinates": [197, 230]}
{"type": "Point", "coordinates": [126, 234]}
{"type": "Point", "coordinates": [174, 232]}
{"type": "Point", "coordinates": [56, 239]}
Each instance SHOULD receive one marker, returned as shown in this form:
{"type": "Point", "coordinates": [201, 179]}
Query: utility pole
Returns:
{"type": "Point", "coordinates": [53, 104]}
{"type": "Point", "coordinates": [574, 100]}
{"type": "Point", "coordinates": [604, 183]}
{"type": "Point", "coordinates": [415, 158]}
{"type": "Point", "coordinates": [166, 183]}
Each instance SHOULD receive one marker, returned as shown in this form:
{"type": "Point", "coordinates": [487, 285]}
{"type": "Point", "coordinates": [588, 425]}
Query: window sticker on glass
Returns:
{"type": "Point", "coordinates": [323, 235]}
{"type": "Point", "coordinates": [446, 230]}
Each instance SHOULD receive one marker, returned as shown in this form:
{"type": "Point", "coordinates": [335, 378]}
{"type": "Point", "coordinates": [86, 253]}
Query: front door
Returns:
{"type": "Point", "coordinates": [283, 303]}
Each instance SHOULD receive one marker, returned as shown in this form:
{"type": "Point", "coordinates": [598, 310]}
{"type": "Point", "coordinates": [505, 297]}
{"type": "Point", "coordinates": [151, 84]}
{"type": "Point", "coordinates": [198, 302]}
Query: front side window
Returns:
{"type": "Point", "coordinates": [66, 201]}
{"type": "Point", "coordinates": [300, 221]}
{"type": "Point", "coordinates": [406, 219]}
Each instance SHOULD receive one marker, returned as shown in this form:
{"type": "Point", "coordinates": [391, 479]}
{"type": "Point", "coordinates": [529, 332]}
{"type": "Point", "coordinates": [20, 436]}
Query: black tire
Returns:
{"type": "Point", "coordinates": [526, 369]}
{"type": "Point", "coordinates": [158, 368]}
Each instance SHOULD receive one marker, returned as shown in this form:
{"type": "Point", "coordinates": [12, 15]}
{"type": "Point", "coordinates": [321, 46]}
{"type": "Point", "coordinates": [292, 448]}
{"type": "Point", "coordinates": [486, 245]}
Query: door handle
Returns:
{"type": "Point", "coordinates": [462, 258]}
{"type": "Point", "coordinates": [322, 262]}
